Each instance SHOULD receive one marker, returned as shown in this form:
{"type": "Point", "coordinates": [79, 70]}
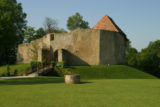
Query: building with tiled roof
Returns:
{"type": "Point", "coordinates": [104, 44]}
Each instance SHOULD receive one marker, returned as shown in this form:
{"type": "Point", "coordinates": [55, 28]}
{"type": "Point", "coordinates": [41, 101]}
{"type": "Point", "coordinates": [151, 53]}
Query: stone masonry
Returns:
{"type": "Point", "coordinates": [104, 44]}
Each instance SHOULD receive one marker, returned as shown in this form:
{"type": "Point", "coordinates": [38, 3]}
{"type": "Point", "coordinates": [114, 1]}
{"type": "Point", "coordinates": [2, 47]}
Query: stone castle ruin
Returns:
{"type": "Point", "coordinates": [104, 44]}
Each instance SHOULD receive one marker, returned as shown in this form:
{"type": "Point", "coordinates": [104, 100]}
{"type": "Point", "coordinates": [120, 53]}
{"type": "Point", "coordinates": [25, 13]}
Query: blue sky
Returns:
{"type": "Point", "coordinates": [139, 19]}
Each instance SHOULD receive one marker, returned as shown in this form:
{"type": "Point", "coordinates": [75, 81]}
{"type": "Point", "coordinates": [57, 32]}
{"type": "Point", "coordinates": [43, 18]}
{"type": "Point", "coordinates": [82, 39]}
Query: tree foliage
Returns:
{"type": "Point", "coordinates": [131, 55]}
{"type": "Point", "coordinates": [76, 22]}
{"type": "Point", "coordinates": [12, 24]}
{"type": "Point", "coordinates": [40, 33]}
{"type": "Point", "coordinates": [32, 34]}
{"type": "Point", "coordinates": [147, 59]}
{"type": "Point", "coordinates": [50, 26]}
{"type": "Point", "coordinates": [29, 34]}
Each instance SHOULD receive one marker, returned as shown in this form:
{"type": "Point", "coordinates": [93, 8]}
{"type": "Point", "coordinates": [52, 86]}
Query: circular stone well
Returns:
{"type": "Point", "coordinates": [72, 79]}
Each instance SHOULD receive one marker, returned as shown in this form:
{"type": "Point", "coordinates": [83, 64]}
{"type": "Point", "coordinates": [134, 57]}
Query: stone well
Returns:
{"type": "Point", "coordinates": [72, 79]}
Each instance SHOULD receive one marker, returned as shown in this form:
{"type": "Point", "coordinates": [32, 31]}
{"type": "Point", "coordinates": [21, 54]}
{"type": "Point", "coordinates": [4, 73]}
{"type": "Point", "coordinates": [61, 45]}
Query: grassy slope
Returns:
{"type": "Point", "coordinates": [113, 71]}
{"type": "Point", "coordinates": [52, 92]}
{"type": "Point", "coordinates": [20, 67]}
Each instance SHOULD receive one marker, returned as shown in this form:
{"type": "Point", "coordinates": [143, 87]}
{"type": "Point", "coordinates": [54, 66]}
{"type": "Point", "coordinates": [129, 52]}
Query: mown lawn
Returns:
{"type": "Point", "coordinates": [109, 72]}
{"type": "Point", "coordinates": [52, 92]}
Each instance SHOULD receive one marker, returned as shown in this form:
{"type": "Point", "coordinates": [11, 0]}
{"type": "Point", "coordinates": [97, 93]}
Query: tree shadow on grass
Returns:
{"type": "Point", "coordinates": [32, 81]}
{"type": "Point", "coordinates": [83, 82]}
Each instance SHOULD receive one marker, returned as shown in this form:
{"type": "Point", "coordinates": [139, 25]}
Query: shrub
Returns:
{"type": "Point", "coordinates": [7, 73]}
{"type": "Point", "coordinates": [43, 64]}
{"type": "Point", "coordinates": [15, 72]}
{"type": "Point", "coordinates": [28, 71]}
{"type": "Point", "coordinates": [59, 72]}
{"type": "Point", "coordinates": [39, 65]}
{"type": "Point", "coordinates": [53, 64]}
{"type": "Point", "coordinates": [60, 64]}
{"type": "Point", "coordinates": [2, 74]}
{"type": "Point", "coordinates": [36, 65]}
{"type": "Point", "coordinates": [33, 66]}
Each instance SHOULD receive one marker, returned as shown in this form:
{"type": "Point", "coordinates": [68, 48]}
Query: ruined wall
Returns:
{"type": "Point", "coordinates": [112, 47]}
{"type": "Point", "coordinates": [81, 47]}
{"type": "Point", "coordinates": [23, 55]}
{"type": "Point", "coordinates": [33, 50]}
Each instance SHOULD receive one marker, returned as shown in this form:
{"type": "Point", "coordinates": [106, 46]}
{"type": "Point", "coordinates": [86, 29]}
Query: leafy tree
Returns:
{"type": "Point", "coordinates": [12, 24]}
{"type": "Point", "coordinates": [131, 55]}
{"type": "Point", "coordinates": [29, 34]}
{"type": "Point", "coordinates": [32, 34]}
{"type": "Point", "coordinates": [40, 33]}
{"type": "Point", "coordinates": [149, 58]}
{"type": "Point", "coordinates": [50, 25]}
{"type": "Point", "coordinates": [76, 22]}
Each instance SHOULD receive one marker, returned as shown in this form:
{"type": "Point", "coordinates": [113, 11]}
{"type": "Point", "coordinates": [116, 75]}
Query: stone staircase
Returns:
{"type": "Point", "coordinates": [41, 71]}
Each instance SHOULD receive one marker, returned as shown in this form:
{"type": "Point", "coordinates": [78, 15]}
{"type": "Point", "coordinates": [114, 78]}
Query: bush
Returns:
{"type": "Point", "coordinates": [60, 64]}
{"type": "Point", "coordinates": [33, 66]}
{"type": "Point", "coordinates": [2, 74]}
{"type": "Point", "coordinates": [39, 65]}
{"type": "Point", "coordinates": [36, 65]}
{"type": "Point", "coordinates": [7, 73]}
{"type": "Point", "coordinates": [53, 64]}
{"type": "Point", "coordinates": [15, 72]}
{"type": "Point", "coordinates": [43, 64]}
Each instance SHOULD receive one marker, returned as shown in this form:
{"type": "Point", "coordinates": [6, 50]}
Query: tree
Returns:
{"type": "Point", "coordinates": [32, 34]}
{"type": "Point", "coordinates": [149, 58]}
{"type": "Point", "coordinates": [50, 25]}
{"type": "Point", "coordinates": [29, 34]}
{"type": "Point", "coordinates": [12, 24]}
{"type": "Point", "coordinates": [76, 22]}
{"type": "Point", "coordinates": [40, 33]}
{"type": "Point", "coordinates": [131, 55]}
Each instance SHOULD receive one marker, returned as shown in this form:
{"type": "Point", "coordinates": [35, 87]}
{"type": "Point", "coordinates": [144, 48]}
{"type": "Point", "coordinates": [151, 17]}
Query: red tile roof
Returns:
{"type": "Point", "coordinates": [106, 23]}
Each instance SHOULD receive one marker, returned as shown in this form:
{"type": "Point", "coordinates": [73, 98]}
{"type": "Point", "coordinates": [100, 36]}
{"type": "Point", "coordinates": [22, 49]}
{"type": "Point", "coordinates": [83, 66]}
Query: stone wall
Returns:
{"type": "Point", "coordinates": [80, 47]}
{"type": "Point", "coordinates": [112, 47]}
{"type": "Point", "coordinates": [33, 51]}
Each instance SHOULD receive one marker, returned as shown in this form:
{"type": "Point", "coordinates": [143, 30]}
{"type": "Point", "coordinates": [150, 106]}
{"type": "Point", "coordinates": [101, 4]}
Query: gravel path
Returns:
{"type": "Point", "coordinates": [16, 77]}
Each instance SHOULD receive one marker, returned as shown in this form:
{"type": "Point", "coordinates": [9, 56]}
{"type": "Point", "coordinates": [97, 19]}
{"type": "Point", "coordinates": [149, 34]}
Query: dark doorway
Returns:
{"type": "Point", "coordinates": [56, 56]}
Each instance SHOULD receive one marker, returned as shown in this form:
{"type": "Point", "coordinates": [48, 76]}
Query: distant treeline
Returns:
{"type": "Point", "coordinates": [147, 59]}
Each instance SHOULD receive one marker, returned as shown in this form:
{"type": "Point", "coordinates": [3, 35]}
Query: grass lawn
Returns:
{"type": "Point", "coordinates": [19, 67]}
{"type": "Point", "coordinates": [109, 72]}
{"type": "Point", "coordinates": [52, 92]}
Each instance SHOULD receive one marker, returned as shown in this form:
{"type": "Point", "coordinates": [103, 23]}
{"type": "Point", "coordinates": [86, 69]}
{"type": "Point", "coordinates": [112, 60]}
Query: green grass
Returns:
{"type": "Point", "coordinates": [20, 67]}
{"type": "Point", "coordinates": [112, 72]}
{"type": "Point", "coordinates": [52, 92]}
